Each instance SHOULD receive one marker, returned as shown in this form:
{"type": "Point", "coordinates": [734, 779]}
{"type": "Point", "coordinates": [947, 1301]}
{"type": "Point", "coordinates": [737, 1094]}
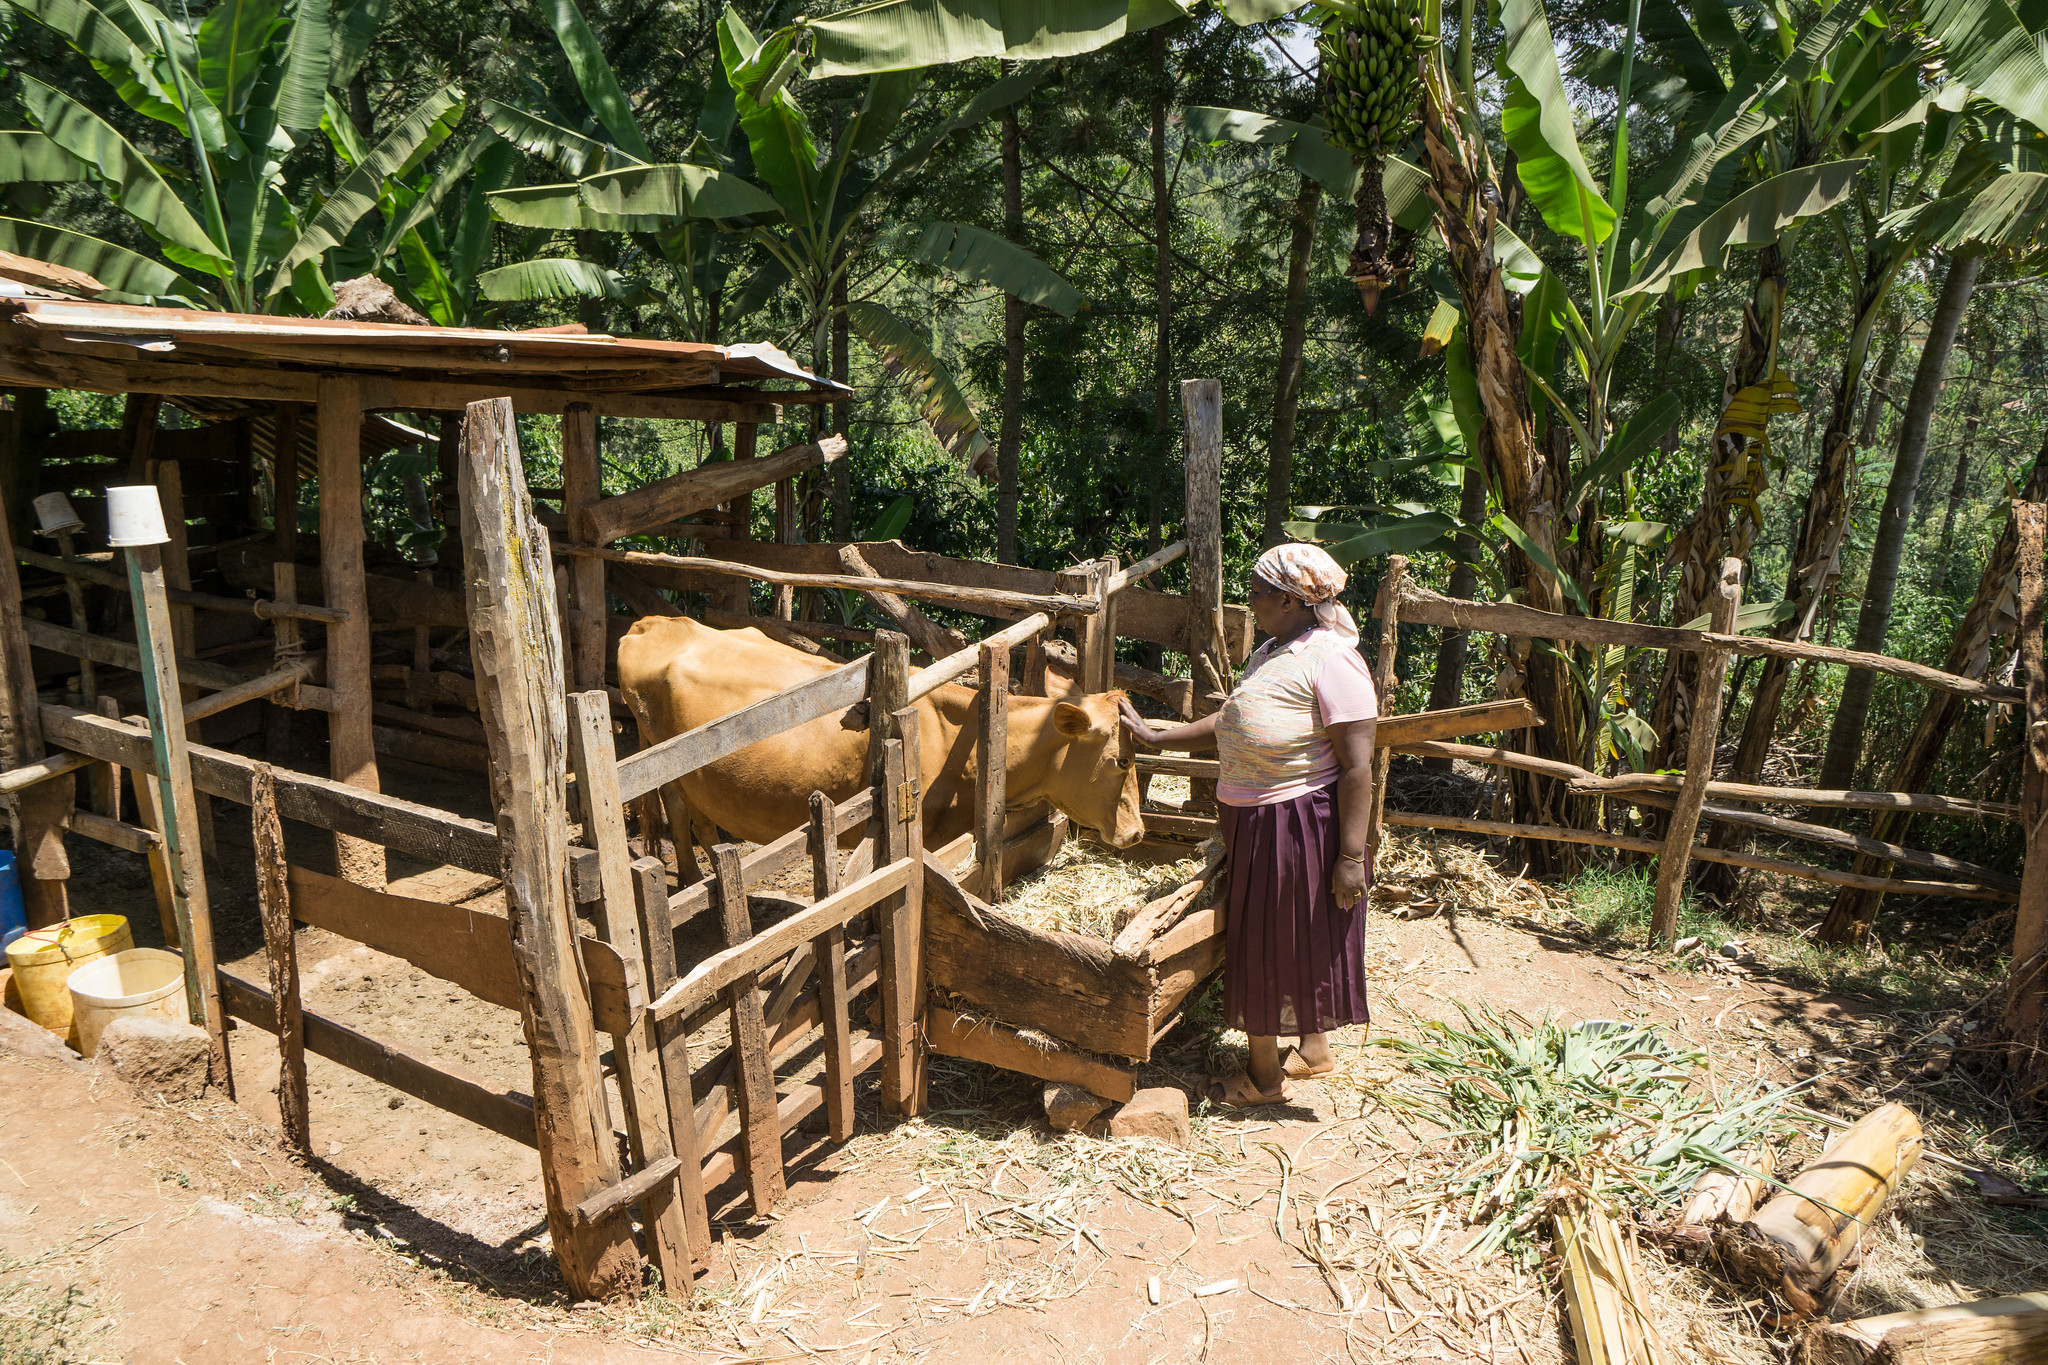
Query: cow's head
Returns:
{"type": "Point", "coordinates": [1094, 776]}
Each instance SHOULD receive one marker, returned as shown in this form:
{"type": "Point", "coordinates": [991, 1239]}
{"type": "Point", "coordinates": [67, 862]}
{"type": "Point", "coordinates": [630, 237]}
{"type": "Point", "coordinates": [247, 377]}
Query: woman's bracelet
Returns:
{"type": "Point", "coordinates": [1353, 857]}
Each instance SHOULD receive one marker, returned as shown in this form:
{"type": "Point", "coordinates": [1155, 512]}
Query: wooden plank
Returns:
{"type": "Point", "coordinates": [1424, 607]}
{"type": "Point", "coordinates": [1177, 977]}
{"type": "Point", "coordinates": [706, 486]}
{"type": "Point", "coordinates": [1163, 912]}
{"type": "Point", "coordinates": [771, 859]}
{"type": "Point", "coordinates": [1704, 734]}
{"type": "Point", "coordinates": [1196, 928]}
{"type": "Point", "coordinates": [746, 955]}
{"type": "Point", "coordinates": [1701, 853]}
{"type": "Point", "coordinates": [121, 654]}
{"type": "Point", "coordinates": [763, 1139]}
{"type": "Point", "coordinates": [1067, 985]}
{"type": "Point", "coordinates": [1164, 824]}
{"type": "Point", "coordinates": [1121, 579]}
{"type": "Point", "coordinates": [443, 1085]}
{"type": "Point", "coordinates": [983, 600]}
{"type": "Point", "coordinates": [901, 919]}
{"type": "Point", "coordinates": [274, 902]}
{"type": "Point", "coordinates": [829, 949]}
{"type": "Point", "coordinates": [515, 643]}
{"type": "Point", "coordinates": [991, 769]}
{"type": "Point", "coordinates": [1098, 661]}
{"type": "Point", "coordinates": [264, 609]}
{"type": "Point", "coordinates": [931, 678]}
{"type": "Point", "coordinates": [678, 1235]}
{"type": "Point", "coordinates": [178, 803]}
{"type": "Point", "coordinates": [465, 945]}
{"type": "Point", "coordinates": [115, 833]}
{"type": "Point", "coordinates": [663, 763]}
{"type": "Point", "coordinates": [982, 1040]}
{"type": "Point", "coordinates": [42, 770]}
{"type": "Point", "coordinates": [1626, 783]}
{"type": "Point", "coordinates": [583, 488]}
{"type": "Point", "coordinates": [798, 1105]}
{"type": "Point", "coordinates": [351, 748]}
{"type": "Point", "coordinates": [647, 1183]}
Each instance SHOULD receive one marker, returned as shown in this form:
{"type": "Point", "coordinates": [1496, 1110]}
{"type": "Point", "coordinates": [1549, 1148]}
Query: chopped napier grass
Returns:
{"type": "Point", "coordinates": [1089, 889]}
{"type": "Point", "coordinates": [1565, 1114]}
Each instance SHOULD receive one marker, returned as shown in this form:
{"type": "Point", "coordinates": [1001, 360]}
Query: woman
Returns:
{"type": "Point", "coordinates": [1295, 744]}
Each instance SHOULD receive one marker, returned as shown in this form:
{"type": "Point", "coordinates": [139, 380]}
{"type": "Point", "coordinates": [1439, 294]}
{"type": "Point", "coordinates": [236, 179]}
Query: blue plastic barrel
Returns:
{"type": "Point", "coordinates": [13, 913]}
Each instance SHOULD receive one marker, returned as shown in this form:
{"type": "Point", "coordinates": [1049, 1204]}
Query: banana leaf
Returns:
{"type": "Point", "coordinates": [123, 272]}
{"type": "Point", "coordinates": [897, 35]}
{"type": "Point", "coordinates": [302, 84]}
{"type": "Point", "coordinates": [1637, 436]}
{"type": "Point", "coordinates": [1756, 217]}
{"type": "Point", "coordinates": [988, 259]}
{"type": "Point", "coordinates": [27, 156]}
{"type": "Point", "coordinates": [907, 356]}
{"type": "Point", "coordinates": [595, 78]}
{"type": "Point", "coordinates": [129, 178]}
{"type": "Point", "coordinates": [120, 47]}
{"type": "Point", "coordinates": [554, 277]}
{"type": "Point", "coordinates": [1536, 119]}
{"type": "Point", "coordinates": [779, 135]}
{"type": "Point", "coordinates": [675, 191]}
{"type": "Point", "coordinates": [573, 152]}
{"type": "Point", "coordinates": [232, 40]}
{"type": "Point", "coordinates": [1986, 47]}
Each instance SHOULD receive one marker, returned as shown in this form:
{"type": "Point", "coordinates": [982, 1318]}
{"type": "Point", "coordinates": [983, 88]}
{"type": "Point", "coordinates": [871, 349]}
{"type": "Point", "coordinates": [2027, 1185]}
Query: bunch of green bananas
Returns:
{"type": "Point", "coordinates": [1371, 79]}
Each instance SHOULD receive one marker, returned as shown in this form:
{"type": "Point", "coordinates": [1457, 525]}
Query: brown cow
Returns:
{"type": "Point", "coordinates": [677, 674]}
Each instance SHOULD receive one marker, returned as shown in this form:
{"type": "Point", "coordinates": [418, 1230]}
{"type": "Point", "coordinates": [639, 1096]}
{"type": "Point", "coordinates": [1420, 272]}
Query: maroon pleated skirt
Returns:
{"type": "Point", "coordinates": [1294, 962]}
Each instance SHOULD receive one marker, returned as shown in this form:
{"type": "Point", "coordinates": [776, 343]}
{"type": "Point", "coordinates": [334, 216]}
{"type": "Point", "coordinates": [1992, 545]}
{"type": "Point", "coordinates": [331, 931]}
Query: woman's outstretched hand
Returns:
{"type": "Point", "coordinates": [1140, 728]}
{"type": "Point", "coordinates": [1348, 882]}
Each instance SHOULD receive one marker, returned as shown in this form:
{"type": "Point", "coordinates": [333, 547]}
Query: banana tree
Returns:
{"type": "Point", "coordinates": [244, 87]}
{"type": "Point", "coordinates": [811, 222]}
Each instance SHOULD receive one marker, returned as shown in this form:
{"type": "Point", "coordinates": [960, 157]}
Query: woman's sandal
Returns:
{"type": "Point", "coordinates": [1295, 1069]}
{"type": "Point", "coordinates": [1240, 1092]}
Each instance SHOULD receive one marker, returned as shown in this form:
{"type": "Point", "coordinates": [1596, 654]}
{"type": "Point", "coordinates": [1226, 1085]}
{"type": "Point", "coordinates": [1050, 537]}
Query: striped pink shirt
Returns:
{"type": "Point", "coordinates": [1270, 737]}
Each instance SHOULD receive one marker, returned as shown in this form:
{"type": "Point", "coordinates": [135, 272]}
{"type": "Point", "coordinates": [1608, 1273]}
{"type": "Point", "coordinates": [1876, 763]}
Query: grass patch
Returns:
{"type": "Point", "coordinates": [1615, 904]}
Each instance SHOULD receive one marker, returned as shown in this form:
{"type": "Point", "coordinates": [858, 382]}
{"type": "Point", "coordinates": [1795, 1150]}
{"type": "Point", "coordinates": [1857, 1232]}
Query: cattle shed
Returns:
{"type": "Point", "coordinates": [150, 691]}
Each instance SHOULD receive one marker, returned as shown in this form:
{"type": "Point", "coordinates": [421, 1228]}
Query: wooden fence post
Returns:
{"type": "Point", "coordinates": [901, 919]}
{"type": "Point", "coordinates": [760, 1123]}
{"type": "Point", "coordinates": [2026, 1000]}
{"type": "Point", "coordinates": [829, 950]}
{"type": "Point", "coordinates": [1699, 759]}
{"type": "Point", "coordinates": [991, 777]}
{"type": "Point", "coordinates": [678, 1227]}
{"type": "Point", "coordinates": [351, 747]}
{"type": "Point", "coordinates": [1387, 607]}
{"type": "Point", "coordinates": [582, 485]}
{"type": "Point", "coordinates": [516, 644]}
{"type": "Point", "coordinates": [273, 899]}
{"type": "Point", "coordinates": [888, 693]}
{"type": "Point", "coordinates": [177, 802]}
{"type": "Point", "coordinates": [38, 821]}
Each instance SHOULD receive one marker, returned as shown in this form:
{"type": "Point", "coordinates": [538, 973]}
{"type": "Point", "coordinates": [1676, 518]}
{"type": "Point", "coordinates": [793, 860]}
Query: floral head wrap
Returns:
{"type": "Point", "coordinates": [1307, 572]}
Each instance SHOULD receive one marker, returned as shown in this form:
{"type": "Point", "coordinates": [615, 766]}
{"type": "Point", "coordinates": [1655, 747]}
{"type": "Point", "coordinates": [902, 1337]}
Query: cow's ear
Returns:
{"type": "Point", "coordinates": [1072, 721]}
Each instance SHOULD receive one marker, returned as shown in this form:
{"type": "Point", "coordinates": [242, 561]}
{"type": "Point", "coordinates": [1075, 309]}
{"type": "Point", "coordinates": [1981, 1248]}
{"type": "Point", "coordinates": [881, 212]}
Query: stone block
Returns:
{"type": "Point", "coordinates": [1160, 1113]}
{"type": "Point", "coordinates": [1069, 1106]}
{"type": "Point", "coordinates": [159, 1057]}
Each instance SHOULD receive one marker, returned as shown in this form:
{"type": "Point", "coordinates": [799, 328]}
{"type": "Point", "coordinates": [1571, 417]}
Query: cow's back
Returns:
{"type": "Point", "coordinates": [677, 674]}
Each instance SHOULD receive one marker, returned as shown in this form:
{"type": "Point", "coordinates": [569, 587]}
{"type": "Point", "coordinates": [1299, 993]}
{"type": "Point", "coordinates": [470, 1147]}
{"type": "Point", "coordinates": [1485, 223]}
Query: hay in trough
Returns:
{"type": "Point", "coordinates": [1089, 889]}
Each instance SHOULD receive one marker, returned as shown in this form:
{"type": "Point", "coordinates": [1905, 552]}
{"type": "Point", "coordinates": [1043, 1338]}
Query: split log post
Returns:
{"type": "Point", "coordinates": [829, 952]}
{"type": "Point", "coordinates": [991, 774]}
{"type": "Point", "coordinates": [888, 693]}
{"type": "Point", "coordinates": [901, 918]}
{"type": "Point", "coordinates": [583, 485]}
{"type": "Point", "coordinates": [678, 1230]}
{"type": "Point", "coordinates": [1100, 667]}
{"type": "Point", "coordinates": [284, 482]}
{"type": "Point", "coordinates": [289, 648]}
{"type": "Point", "coordinates": [273, 899]}
{"type": "Point", "coordinates": [39, 815]}
{"type": "Point", "coordinates": [2026, 1000]}
{"type": "Point", "coordinates": [1387, 607]}
{"type": "Point", "coordinates": [760, 1123]}
{"type": "Point", "coordinates": [1704, 735]}
{"type": "Point", "coordinates": [516, 644]}
{"type": "Point", "coordinates": [1801, 1236]}
{"type": "Point", "coordinates": [788, 531]}
{"type": "Point", "coordinates": [177, 803]}
{"type": "Point", "coordinates": [657, 940]}
{"type": "Point", "coordinates": [2008, 1331]}
{"type": "Point", "coordinates": [351, 744]}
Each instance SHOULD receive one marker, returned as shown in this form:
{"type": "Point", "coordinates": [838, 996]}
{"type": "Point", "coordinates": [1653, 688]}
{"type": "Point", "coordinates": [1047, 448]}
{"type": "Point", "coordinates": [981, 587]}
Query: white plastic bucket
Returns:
{"type": "Point", "coordinates": [54, 514]}
{"type": "Point", "coordinates": [139, 981]}
{"type": "Point", "coordinates": [135, 516]}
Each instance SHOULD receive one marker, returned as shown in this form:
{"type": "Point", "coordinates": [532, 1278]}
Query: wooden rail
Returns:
{"type": "Point", "coordinates": [120, 654]}
{"type": "Point", "coordinates": [1144, 568]}
{"type": "Point", "coordinates": [264, 609]}
{"type": "Point", "coordinates": [661, 764]}
{"type": "Point", "coordinates": [932, 677]}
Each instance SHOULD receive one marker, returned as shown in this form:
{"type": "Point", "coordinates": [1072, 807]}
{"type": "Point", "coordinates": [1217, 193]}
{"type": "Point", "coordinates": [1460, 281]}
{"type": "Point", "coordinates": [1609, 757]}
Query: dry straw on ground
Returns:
{"type": "Point", "coordinates": [1089, 889]}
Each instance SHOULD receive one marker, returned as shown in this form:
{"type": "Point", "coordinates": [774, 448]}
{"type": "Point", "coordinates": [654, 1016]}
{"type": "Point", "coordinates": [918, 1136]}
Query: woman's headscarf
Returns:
{"type": "Point", "coordinates": [1308, 572]}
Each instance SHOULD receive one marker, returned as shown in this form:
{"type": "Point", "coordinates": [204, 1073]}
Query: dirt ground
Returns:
{"type": "Point", "coordinates": [138, 1231]}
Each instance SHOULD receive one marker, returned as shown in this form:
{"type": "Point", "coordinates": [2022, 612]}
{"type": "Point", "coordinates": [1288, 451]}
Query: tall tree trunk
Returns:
{"type": "Point", "coordinates": [1162, 292]}
{"type": "Point", "coordinates": [1287, 385]}
{"type": "Point", "coordinates": [1010, 443]}
{"type": "Point", "coordinates": [1991, 615]}
{"type": "Point", "coordinates": [1845, 741]}
{"type": "Point", "coordinates": [1453, 649]}
{"type": "Point", "coordinates": [1816, 558]}
{"type": "Point", "coordinates": [1958, 487]}
{"type": "Point", "coordinates": [1723, 527]}
{"type": "Point", "coordinates": [1530, 481]}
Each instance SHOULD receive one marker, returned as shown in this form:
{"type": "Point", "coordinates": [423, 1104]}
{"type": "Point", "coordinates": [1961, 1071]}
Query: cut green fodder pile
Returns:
{"type": "Point", "coordinates": [1091, 890]}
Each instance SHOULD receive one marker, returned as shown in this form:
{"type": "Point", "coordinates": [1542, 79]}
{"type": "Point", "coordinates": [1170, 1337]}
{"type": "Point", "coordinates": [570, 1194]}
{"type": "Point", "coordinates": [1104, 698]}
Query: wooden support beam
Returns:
{"type": "Point", "coordinates": [983, 1040]}
{"type": "Point", "coordinates": [2026, 997]}
{"type": "Point", "coordinates": [1625, 784]}
{"type": "Point", "coordinates": [1098, 661]}
{"type": "Point", "coordinates": [273, 900]}
{"type": "Point", "coordinates": [351, 748]}
{"type": "Point", "coordinates": [706, 486]}
{"type": "Point", "coordinates": [928, 635]}
{"type": "Point", "coordinates": [1120, 579]}
{"type": "Point", "coordinates": [788, 531]}
{"type": "Point", "coordinates": [262, 609]}
{"type": "Point", "coordinates": [1388, 610]}
{"type": "Point", "coordinates": [178, 802]}
{"type": "Point", "coordinates": [829, 951]}
{"type": "Point", "coordinates": [516, 645]}
{"type": "Point", "coordinates": [758, 1126]}
{"type": "Point", "coordinates": [284, 481]}
{"type": "Point", "coordinates": [582, 489]}
{"type": "Point", "coordinates": [901, 920]}
{"type": "Point", "coordinates": [991, 770]}
{"type": "Point", "coordinates": [1704, 733]}
{"type": "Point", "coordinates": [39, 818]}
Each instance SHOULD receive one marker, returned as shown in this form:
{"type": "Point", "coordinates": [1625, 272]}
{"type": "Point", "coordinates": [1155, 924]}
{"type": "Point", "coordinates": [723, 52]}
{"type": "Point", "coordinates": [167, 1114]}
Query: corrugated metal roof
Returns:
{"type": "Point", "coordinates": [561, 358]}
